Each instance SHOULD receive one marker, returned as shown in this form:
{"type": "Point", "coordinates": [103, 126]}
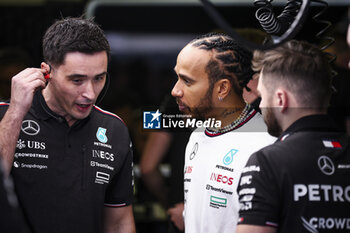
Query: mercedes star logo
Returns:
{"type": "Point", "coordinates": [326, 165]}
{"type": "Point", "coordinates": [30, 127]}
{"type": "Point", "coordinates": [194, 151]}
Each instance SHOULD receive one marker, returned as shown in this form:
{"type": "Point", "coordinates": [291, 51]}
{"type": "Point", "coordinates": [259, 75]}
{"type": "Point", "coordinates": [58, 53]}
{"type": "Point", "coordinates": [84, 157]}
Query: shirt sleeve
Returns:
{"type": "Point", "coordinates": [3, 108]}
{"type": "Point", "coordinates": [258, 193]}
{"type": "Point", "coordinates": [119, 192]}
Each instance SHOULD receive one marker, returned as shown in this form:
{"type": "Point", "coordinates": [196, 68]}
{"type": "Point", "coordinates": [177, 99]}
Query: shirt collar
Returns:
{"type": "Point", "coordinates": [310, 123]}
{"type": "Point", "coordinates": [40, 108]}
{"type": "Point", "coordinates": [42, 111]}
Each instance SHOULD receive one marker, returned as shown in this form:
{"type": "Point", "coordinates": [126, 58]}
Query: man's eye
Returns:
{"type": "Point", "coordinates": [187, 82]}
{"type": "Point", "coordinates": [76, 81]}
{"type": "Point", "coordinates": [98, 78]}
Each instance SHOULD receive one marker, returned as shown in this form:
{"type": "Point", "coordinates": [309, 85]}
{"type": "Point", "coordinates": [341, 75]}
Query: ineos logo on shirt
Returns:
{"type": "Point", "coordinates": [326, 165]}
{"type": "Point", "coordinates": [30, 127]}
{"type": "Point", "coordinates": [221, 178]}
{"type": "Point", "coordinates": [103, 155]}
{"type": "Point", "coordinates": [194, 151]}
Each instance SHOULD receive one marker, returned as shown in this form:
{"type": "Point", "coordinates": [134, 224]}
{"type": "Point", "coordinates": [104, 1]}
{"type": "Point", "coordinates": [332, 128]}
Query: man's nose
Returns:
{"type": "Point", "coordinates": [89, 91]}
{"type": "Point", "coordinates": [177, 90]}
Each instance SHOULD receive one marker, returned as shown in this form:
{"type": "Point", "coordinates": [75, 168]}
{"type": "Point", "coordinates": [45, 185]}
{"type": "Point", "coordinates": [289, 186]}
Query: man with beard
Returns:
{"type": "Point", "coordinates": [212, 71]}
{"type": "Point", "coordinates": [301, 183]}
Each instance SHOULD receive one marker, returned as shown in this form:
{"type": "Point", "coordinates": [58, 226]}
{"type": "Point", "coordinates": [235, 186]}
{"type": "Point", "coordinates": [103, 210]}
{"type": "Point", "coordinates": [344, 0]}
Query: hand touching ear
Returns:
{"type": "Point", "coordinates": [23, 87]}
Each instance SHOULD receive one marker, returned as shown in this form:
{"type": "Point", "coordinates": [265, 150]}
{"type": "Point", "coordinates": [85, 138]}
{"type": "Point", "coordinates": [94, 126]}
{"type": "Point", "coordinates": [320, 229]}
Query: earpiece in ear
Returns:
{"type": "Point", "coordinates": [47, 72]}
{"type": "Point", "coordinates": [46, 76]}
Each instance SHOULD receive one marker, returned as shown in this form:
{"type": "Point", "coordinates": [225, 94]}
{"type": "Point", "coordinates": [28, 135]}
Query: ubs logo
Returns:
{"type": "Point", "coordinates": [30, 144]}
{"type": "Point", "coordinates": [30, 127]}
{"type": "Point", "coordinates": [20, 144]}
{"type": "Point", "coordinates": [326, 165]}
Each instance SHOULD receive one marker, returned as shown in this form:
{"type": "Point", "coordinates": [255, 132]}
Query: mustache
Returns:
{"type": "Point", "coordinates": [179, 102]}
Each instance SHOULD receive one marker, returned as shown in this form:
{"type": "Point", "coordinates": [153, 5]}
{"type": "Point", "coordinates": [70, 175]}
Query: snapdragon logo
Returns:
{"type": "Point", "coordinates": [157, 120]}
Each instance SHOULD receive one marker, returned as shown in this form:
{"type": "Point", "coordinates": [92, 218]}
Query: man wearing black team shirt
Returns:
{"type": "Point", "coordinates": [71, 161]}
{"type": "Point", "coordinates": [301, 183]}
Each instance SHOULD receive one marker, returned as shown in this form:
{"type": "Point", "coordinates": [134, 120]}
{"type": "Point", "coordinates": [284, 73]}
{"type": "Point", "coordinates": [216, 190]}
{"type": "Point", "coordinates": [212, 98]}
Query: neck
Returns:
{"type": "Point", "coordinates": [53, 106]}
{"type": "Point", "coordinates": [294, 114]}
{"type": "Point", "coordinates": [231, 118]}
{"type": "Point", "coordinates": [231, 113]}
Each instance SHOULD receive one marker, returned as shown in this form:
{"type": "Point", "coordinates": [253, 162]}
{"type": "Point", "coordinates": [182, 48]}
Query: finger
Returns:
{"type": "Point", "coordinates": [28, 81]}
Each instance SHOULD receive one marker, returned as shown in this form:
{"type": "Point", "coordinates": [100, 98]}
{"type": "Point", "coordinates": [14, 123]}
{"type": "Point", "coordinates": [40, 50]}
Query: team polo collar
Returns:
{"type": "Point", "coordinates": [40, 108]}
{"type": "Point", "coordinates": [43, 112]}
{"type": "Point", "coordinates": [310, 123]}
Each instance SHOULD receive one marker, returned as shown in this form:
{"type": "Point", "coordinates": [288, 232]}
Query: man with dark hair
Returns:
{"type": "Point", "coordinates": [70, 160]}
{"type": "Point", "coordinates": [301, 183]}
{"type": "Point", "coordinates": [212, 71]}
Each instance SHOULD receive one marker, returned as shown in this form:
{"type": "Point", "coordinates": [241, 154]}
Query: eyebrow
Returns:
{"type": "Point", "coordinates": [182, 76]}
{"type": "Point", "coordinates": [84, 75]}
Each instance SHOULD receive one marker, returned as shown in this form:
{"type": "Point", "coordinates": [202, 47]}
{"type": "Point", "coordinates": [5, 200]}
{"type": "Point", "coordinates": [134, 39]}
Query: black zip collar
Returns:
{"type": "Point", "coordinates": [311, 123]}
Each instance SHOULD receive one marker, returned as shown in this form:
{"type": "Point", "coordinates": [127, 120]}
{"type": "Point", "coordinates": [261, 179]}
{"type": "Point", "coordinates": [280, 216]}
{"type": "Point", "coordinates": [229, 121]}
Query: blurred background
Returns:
{"type": "Point", "coordinates": [145, 38]}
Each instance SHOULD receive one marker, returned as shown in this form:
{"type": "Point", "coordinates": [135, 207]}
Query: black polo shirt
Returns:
{"type": "Point", "coordinates": [64, 176]}
{"type": "Point", "coordinates": [301, 183]}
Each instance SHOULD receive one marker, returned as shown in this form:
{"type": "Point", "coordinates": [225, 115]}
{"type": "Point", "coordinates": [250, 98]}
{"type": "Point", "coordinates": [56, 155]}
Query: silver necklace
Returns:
{"type": "Point", "coordinates": [235, 123]}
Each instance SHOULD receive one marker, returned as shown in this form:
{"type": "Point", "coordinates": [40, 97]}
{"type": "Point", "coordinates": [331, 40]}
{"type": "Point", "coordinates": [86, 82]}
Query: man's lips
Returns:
{"type": "Point", "coordinates": [83, 107]}
{"type": "Point", "coordinates": [182, 106]}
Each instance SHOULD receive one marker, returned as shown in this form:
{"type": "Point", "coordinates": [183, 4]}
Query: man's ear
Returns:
{"type": "Point", "coordinates": [223, 88]}
{"type": "Point", "coordinates": [47, 68]}
{"type": "Point", "coordinates": [282, 99]}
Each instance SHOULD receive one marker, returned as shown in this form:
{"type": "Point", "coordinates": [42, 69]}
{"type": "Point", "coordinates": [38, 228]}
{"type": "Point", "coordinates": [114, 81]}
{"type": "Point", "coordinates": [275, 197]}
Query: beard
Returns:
{"type": "Point", "coordinates": [273, 128]}
{"type": "Point", "coordinates": [201, 111]}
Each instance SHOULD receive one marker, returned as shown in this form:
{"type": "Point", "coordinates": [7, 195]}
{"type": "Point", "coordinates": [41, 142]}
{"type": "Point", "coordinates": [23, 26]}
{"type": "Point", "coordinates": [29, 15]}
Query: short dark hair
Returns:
{"type": "Point", "coordinates": [73, 35]}
{"type": "Point", "coordinates": [300, 67]}
{"type": "Point", "coordinates": [230, 60]}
